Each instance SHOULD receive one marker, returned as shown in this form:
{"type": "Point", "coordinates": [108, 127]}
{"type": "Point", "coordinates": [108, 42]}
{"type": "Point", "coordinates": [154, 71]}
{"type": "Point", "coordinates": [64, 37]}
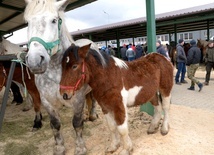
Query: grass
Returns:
{"type": "Point", "coordinates": [20, 149]}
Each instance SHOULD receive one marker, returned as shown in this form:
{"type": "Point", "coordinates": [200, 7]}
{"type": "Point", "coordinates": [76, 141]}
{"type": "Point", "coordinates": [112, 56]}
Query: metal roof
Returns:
{"type": "Point", "coordinates": [185, 20]}
{"type": "Point", "coordinates": [11, 13]}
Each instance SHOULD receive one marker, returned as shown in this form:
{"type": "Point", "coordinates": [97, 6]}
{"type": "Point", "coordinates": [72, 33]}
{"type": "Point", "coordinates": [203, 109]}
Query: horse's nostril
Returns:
{"type": "Point", "coordinates": [42, 59]}
{"type": "Point", "coordinates": [65, 96]}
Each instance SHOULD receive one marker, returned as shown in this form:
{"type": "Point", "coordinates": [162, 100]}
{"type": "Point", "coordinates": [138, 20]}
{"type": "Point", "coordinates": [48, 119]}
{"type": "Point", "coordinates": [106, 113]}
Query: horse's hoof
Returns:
{"type": "Point", "coordinates": [125, 152]}
{"type": "Point", "coordinates": [164, 131]}
{"type": "Point", "coordinates": [93, 117]}
{"type": "Point", "coordinates": [80, 151]}
{"type": "Point", "coordinates": [59, 150]}
{"type": "Point", "coordinates": [112, 149]}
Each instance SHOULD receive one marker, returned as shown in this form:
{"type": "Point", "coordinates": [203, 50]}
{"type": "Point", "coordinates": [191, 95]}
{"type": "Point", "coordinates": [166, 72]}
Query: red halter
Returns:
{"type": "Point", "coordinates": [74, 88]}
{"type": "Point", "coordinates": [5, 76]}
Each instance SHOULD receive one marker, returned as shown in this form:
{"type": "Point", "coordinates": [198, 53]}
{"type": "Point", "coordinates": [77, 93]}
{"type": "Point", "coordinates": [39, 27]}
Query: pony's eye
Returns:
{"type": "Point", "coordinates": [74, 66]}
{"type": "Point", "coordinates": [54, 21]}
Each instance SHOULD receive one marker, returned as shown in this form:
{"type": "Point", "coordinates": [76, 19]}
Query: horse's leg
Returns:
{"type": "Point", "coordinates": [165, 105]}
{"type": "Point", "coordinates": [123, 131]}
{"type": "Point", "coordinates": [91, 105]}
{"type": "Point", "coordinates": [78, 104]}
{"type": "Point", "coordinates": [157, 115]}
{"type": "Point", "coordinates": [38, 117]}
{"type": "Point", "coordinates": [28, 103]}
{"type": "Point", "coordinates": [115, 138]}
{"type": "Point", "coordinates": [55, 124]}
{"type": "Point", "coordinates": [17, 97]}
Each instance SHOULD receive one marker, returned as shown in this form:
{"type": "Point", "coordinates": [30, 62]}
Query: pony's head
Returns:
{"type": "Point", "coordinates": [74, 71]}
{"type": "Point", "coordinates": [44, 24]}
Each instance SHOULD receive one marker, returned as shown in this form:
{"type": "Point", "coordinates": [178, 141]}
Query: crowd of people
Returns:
{"type": "Point", "coordinates": [186, 62]}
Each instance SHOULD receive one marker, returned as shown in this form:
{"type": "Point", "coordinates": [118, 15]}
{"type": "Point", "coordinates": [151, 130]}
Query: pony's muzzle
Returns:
{"type": "Point", "coordinates": [65, 96]}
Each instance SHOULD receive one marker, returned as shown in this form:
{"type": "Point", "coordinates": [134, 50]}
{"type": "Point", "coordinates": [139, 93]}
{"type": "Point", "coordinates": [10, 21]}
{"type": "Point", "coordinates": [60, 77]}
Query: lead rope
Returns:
{"type": "Point", "coordinates": [20, 60]}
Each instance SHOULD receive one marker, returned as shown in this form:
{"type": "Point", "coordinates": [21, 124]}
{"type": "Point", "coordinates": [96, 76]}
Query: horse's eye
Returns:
{"type": "Point", "coordinates": [54, 21]}
{"type": "Point", "coordinates": [67, 59]}
{"type": "Point", "coordinates": [74, 66]}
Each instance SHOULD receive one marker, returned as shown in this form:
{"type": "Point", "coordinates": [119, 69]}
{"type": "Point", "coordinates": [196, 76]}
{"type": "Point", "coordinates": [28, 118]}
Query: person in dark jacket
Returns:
{"type": "Point", "coordinates": [161, 49]}
{"type": "Point", "coordinates": [123, 52]}
{"type": "Point", "coordinates": [139, 51]}
{"type": "Point", "coordinates": [193, 60]}
{"type": "Point", "coordinates": [209, 60]}
{"type": "Point", "coordinates": [181, 63]}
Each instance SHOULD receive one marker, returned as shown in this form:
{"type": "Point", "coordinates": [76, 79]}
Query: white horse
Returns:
{"type": "Point", "coordinates": [6, 47]}
{"type": "Point", "coordinates": [48, 39]}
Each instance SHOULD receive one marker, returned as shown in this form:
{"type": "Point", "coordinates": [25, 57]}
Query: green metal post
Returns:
{"type": "Point", "coordinates": [151, 26]}
{"type": "Point", "coordinates": [208, 30]}
{"type": "Point", "coordinates": [151, 43]}
{"type": "Point", "coordinates": [175, 30]}
{"type": "Point", "coordinates": [90, 37]}
{"type": "Point", "coordinates": [118, 44]}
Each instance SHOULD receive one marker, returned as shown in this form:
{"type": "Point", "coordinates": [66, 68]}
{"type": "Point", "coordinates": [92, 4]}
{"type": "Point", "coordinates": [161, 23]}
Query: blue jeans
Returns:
{"type": "Point", "coordinates": [181, 70]}
{"type": "Point", "coordinates": [131, 58]}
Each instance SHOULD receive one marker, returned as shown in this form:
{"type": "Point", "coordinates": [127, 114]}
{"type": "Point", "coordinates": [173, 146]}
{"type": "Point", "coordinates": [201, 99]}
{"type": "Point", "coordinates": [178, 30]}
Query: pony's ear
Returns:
{"type": "Point", "coordinates": [61, 5]}
{"type": "Point", "coordinates": [28, 1]}
{"type": "Point", "coordinates": [83, 51]}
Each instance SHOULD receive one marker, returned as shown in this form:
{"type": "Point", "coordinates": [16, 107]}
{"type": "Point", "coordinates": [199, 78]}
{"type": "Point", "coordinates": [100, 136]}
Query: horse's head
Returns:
{"type": "Point", "coordinates": [74, 70]}
{"type": "Point", "coordinates": [44, 25]}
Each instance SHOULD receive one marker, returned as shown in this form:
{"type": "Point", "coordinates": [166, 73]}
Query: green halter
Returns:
{"type": "Point", "coordinates": [48, 45]}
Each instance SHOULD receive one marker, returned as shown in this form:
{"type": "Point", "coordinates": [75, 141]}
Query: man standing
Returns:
{"type": "Point", "coordinates": [181, 63]}
{"type": "Point", "coordinates": [160, 48]}
{"type": "Point", "coordinates": [130, 53]}
{"type": "Point", "coordinates": [193, 60]}
{"type": "Point", "coordinates": [209, 60]}
{"type": "Point", "coordinates": [123, 52]}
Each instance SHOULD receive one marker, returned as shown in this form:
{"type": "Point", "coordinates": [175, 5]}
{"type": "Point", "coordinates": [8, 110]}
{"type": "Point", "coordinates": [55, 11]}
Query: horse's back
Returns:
{"type": "Point", "coordinates": [166, 70]}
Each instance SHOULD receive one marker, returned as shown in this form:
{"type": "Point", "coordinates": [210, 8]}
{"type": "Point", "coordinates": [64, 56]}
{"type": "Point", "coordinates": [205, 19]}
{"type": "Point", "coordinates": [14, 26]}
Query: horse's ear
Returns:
{"type": "Point", "coordinates": [84, 50]}
{"type": "Point", "coordinates": [61, 5]}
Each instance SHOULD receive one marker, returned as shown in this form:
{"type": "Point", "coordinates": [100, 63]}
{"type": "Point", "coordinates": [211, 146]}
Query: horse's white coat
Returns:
{"type": "Point", "coordinates": [129, 95]}
{"type": "Point", "coordinates": [6, 47]}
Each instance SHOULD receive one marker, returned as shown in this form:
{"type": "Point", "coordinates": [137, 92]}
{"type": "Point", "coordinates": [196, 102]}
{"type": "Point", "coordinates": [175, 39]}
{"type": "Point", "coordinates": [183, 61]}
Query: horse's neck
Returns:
{"type": "Point", "coordinates": [54, 67]}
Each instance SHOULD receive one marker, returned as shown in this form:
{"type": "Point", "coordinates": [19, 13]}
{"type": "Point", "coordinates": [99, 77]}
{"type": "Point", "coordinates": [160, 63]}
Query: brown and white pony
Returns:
{"type": "Point", "coordinates": [120, 84]}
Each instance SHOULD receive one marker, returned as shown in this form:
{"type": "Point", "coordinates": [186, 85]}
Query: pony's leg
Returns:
{"type": "Point", "coordinates": [124, 133]}
{"type": "Point", "coordinates": [166, 104]}
{"type": "Point", "coordinates": [91, 104]}
{"type": "Point", "coordinates": [115, 138]}
{"type": "Point", "coordinates": [157, 115]}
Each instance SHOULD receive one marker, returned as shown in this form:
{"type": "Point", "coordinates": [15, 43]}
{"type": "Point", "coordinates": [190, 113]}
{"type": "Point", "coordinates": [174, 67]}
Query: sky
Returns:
{"type": "Point", "coordinates": [102, 12]}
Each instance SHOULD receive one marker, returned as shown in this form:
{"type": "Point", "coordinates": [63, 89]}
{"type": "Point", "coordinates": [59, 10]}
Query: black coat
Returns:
{"type": "Point", "coordinates": [194, 55]}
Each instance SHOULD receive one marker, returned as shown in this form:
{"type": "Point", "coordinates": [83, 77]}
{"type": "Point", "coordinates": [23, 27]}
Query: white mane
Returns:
{"type": "Point", "coordinates": [6, 47]}
{"type": "Point", "coordinates": [120, 63]}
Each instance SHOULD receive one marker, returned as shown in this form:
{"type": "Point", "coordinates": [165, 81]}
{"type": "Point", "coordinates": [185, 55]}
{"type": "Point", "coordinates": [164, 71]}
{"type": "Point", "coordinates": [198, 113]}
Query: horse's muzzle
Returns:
{"type": "Point", "coordinates": [65, 96]}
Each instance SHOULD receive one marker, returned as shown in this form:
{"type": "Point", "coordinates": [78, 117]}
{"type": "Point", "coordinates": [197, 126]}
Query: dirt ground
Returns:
{"type": "Point", "coordinates": [191, 133]}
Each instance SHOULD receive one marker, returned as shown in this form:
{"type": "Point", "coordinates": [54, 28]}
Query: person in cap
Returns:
{"type": "Point", "coordinates": [181, 63]}
{"type": "Point", "coordinates": [193, 60]}
{"type": "Point", "coordinates": [209, 61]}
{"type": "Point", "coordinates": [160, 48]}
